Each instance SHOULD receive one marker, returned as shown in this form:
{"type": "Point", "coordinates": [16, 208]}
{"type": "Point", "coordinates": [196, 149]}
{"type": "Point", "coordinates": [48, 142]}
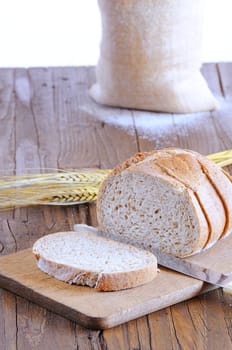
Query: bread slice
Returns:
{"type": "Point", "coordinates": [163, 199]}
{"type": "Point", "coordinates": [185, 167]}
{"type": "Point", "coordinates": [221, 180]}
{"type": "Point", "coordinates": [84, 258]}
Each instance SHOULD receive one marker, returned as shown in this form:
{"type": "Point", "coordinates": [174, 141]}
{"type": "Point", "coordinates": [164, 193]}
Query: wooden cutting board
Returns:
{"type": "Point", "coordinates": [97, 310]}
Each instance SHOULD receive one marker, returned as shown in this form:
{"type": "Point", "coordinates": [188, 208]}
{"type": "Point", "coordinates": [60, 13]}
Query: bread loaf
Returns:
{"type": "Point", "coordinates": [84, 258]}
{"type": "Point", "coordinates": [174, 200]}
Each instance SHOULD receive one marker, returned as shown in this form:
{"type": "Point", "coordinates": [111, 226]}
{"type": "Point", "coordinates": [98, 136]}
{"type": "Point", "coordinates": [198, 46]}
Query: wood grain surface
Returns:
{"type": "Point", "coordinates": [48, 120]}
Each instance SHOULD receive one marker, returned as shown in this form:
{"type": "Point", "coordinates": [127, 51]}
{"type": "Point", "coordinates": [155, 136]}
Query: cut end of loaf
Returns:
{"type": "Point", "coordinates": [84, 258]}
{"type": "Point", "coordinates": [149, 211]}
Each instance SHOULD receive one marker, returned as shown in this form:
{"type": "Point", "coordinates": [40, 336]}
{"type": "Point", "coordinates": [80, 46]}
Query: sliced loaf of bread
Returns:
{"type": "Point", "coordinates": [166, 199]}
{"type": "Point", "coordinates": [222, 182]}
{"type": "Point", "coordinates": [84, 258]}
{"type": "Point", "coordinates": [186, 168]}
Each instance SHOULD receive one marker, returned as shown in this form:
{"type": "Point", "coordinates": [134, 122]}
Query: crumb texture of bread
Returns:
{"type": "Point", "coordinates": [168, 200]}
{"type": "Point", "coordinates": [84, 258]}
{"type": "Point", "coordinates": [151, 212]}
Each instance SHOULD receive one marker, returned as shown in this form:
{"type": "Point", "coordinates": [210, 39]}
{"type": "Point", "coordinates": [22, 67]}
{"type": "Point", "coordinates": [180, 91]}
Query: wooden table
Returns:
{"type": "Point", "coordinates": [49, 121]}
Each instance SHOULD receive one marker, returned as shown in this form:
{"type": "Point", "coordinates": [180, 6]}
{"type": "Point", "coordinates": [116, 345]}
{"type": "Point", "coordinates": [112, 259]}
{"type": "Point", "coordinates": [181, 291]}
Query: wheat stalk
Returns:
{"type": "Point", "coordinates": [75, 196]}
{"type": "Point", "coordinates": [66, 187]}
{"type": "Point", "coordinates": [56, 189]}
{"type": "Point", "coordinates": [221, 158]}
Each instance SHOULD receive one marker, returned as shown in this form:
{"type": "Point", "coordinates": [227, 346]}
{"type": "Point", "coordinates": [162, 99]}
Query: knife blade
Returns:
{"type": "Point", "coordinates": [186, 266]}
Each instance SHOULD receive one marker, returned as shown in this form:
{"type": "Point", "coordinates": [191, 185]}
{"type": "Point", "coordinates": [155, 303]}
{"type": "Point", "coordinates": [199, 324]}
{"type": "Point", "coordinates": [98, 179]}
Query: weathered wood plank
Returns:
{"type": "Point", "coordinates": [7, 119]}
{"type": "Point", "coordinates": [215, 319]}
{"type": "Point", "coordinates": [188, 331]}
{"type": "Point", "coordinates": [210, 73]}
{"type": "Point", "coordinates": [21, 234]}
{"type": "Point", "coordinates": [7, 131]}
{"type": "Point", "coordinates": [27, 138]}
{"type": "Point", "coordinates": [44, 112]}
{"type": "Point", "coordinates": [77, 141]}
{"type": "Point", "coordinates": [225, 73]}
{"type": "Point", "coordinates": [8, 321]}
{"type": "Point", "coordinates": [218, 77]}
{"type": "Point", "coordinates": [116, 338]}
{"type": "Point", "coordinates": [158, 322]}
{"type": "Point", "coordinates": [36, 325]}
{"type": "Point", "coordinates": [87, 339]}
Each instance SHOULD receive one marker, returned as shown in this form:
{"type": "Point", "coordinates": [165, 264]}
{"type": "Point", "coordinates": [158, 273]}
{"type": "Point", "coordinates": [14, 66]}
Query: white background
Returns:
{"type": "Point", "coordinates": [68, 32]}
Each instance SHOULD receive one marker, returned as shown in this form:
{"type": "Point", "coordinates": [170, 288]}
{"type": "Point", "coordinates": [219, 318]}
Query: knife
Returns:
{"type": "Point", "coordinates": [190, 266]}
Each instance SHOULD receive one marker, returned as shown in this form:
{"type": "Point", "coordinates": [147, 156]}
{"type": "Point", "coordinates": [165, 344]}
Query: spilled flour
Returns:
{"type": "Point", "coordinates": [120, 118]}
{"type": "Point", "coordinates": [161, 128]}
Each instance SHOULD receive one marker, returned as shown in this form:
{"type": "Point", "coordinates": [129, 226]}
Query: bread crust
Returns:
{"type": "Point", "coordinates": [222, 184]}
{"type": "Point", "coordinates": [219, 179]}
{"type": "Point", "coordinates": [124, 280]}
{"type": "Point", "coordinates": [101, 281]}
{"type": "Point", "coordinates": [184, 167]}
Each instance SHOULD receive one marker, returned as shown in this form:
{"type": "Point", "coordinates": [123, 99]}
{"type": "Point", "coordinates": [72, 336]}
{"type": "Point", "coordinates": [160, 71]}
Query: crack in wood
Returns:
{"type": "Point", "coordinates": [58, 119]}
{"type": "Point", "coordinates": [220, 80]}
{"type": "Point", "coordinates": [102, 341]}
{"type": "Point", "coordinates": [74, 327]}
{"type": "Point", "coordinates": [16, 323]}
{"type": "Point", "coordinates": [136, 132]}
{"type": "Point", "coordinates": [218, 131]}
{"type": "Point", "coordinates": [12, 234]}
{"type": "Point", "coordinates": [1, 247]}
{"type": "Point", "coordinates": [34, 118]}
{"type": "Point", "coordinates": [227, 306]}
{"type": "Point", "coordinates": [149, 332]}
{"type": "Point", "coordinates": [14, 127]}
{"type": "Point", "coordinates": [175, 331]}
{"type": "Point", "coordinates": [193, 323]}
{"type": "Point", "coordinates": [204, 319]}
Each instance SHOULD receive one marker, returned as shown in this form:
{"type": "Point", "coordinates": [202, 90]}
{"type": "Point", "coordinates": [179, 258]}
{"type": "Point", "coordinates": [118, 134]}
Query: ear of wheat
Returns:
{"type": "Point", "coordinates": [64, 187]}
{"type": "Point", "coordinates": [221, 158]}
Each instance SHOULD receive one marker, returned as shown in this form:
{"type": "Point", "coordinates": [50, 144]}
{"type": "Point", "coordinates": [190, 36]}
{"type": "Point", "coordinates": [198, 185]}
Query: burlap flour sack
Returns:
{"type": "Point", "coordinates": [151, 55]}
